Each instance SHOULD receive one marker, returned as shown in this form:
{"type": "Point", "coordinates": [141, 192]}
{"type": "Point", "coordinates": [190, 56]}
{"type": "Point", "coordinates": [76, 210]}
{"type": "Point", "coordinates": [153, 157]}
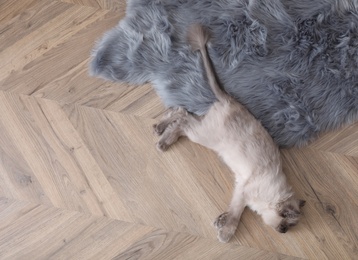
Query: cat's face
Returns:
{"type": "Point", "coordinates": [290, 213]}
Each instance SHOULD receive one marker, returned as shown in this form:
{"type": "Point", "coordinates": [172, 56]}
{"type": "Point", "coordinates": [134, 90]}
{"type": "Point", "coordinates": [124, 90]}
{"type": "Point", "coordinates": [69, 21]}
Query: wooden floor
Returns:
{"type": "Point", "coordinates": [80, 177]}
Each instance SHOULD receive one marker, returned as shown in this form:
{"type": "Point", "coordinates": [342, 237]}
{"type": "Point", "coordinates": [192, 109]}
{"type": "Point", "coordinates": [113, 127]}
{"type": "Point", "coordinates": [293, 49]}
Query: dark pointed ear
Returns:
{"type": "Point", "coordinates": [301, 203]}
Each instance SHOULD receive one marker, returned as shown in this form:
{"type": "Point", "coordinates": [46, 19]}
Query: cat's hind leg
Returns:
{"type": "Point", "coordinates": [172, 115]}
{"type": "Point", "coordinates": [170, 128]}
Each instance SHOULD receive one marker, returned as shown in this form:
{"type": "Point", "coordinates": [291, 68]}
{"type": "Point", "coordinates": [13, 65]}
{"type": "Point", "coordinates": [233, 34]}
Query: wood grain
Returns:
{"type": "Point", "coordinates": [116, 5]}
{"type": "Point", "coordinates": [80, 177]}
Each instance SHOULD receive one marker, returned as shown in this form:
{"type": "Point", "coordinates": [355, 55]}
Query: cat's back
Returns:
{"type": "Point", "coordinates": [243, 140]}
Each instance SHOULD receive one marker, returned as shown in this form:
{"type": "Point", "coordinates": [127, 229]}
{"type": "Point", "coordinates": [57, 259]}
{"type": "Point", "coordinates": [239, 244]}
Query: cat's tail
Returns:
{"type": "Point", "coordinates": [198, 37]}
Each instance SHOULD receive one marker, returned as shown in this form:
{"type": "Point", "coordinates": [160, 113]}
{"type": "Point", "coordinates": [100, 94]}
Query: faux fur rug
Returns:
{"type": "Point", "coordinates": [293, 63]}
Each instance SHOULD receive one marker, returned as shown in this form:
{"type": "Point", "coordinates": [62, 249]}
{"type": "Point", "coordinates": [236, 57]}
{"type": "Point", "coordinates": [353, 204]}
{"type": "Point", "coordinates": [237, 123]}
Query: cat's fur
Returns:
{"type": "Point", "coordinates": [246, 147]}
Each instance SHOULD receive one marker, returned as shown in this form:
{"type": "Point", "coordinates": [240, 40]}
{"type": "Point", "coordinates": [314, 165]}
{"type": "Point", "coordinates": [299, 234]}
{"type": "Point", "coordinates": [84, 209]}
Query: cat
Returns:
{"type": "Point", "coordinates": [244, 145]}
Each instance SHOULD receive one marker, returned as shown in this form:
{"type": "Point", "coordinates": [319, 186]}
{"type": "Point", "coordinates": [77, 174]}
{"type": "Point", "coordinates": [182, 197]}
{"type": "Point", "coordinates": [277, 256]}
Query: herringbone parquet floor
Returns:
{"type": "Point", "coordinates": [80, 177]}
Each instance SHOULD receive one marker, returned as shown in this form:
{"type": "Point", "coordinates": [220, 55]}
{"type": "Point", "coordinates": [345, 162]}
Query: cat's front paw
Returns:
{"type": "Point", "coordinates": [226, 227]}
{"type": "Point", "coordinates": [220, 221]}
{"type": "Point", "coordinates": [162, 146]}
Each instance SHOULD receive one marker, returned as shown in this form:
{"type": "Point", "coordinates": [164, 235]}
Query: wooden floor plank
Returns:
{"type": "Point", "coordinates": [61, 24]}
{"type": "Point", "coordinates": [59, 54]}
{"type": "Point", "coordinates": [11, 9]}
{"type": "Point", "coordinates": [40, 232]}
{"type": "Point", "coordinates": [29, 21]}
{"type": "Point", "coordinates": [162, 245]}
{"type": "Point", "coordinates": [17, 181]}
{"type": "Point", "coordinates": [331, 194]}
{"type": "Point", "coordinates": [58, 157]}
{"type": "Point", "coordinates": [343, 141]}
{"type": "Point", "coordinates": [115, 5]}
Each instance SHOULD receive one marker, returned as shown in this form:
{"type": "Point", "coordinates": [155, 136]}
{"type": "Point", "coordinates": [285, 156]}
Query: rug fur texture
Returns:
{"type": "Point", "coordinates": [292, 63]}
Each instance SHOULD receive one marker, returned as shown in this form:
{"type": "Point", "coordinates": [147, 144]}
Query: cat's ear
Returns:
{"type": "Point", "coordinates": [301, 203]}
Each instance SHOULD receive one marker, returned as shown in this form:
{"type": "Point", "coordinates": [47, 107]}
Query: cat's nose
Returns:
{"type": "Point", "coordinates": [282, 229]}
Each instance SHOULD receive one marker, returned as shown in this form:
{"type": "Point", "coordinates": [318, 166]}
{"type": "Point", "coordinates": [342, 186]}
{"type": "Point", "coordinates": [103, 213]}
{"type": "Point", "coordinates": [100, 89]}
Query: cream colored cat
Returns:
{"type": "Point", "coordinates": [245, 146]}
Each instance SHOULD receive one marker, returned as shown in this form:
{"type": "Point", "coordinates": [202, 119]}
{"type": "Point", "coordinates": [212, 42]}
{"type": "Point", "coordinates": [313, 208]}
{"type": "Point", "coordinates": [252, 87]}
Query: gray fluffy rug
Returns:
{"type": "Point", "coordinates": [293, 63]}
